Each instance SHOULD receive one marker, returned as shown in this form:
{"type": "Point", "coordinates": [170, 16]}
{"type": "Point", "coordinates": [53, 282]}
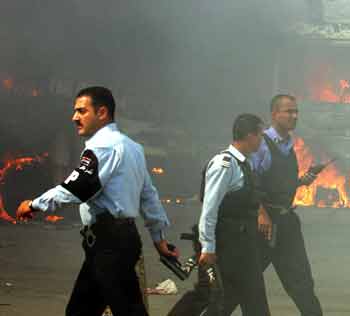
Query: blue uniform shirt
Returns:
{"type": "Point", "coordinates": [261, 160]}
{"type": "Point", "coordinates": [112, 176]}
{"type": "Point", "coordinates": [223, 175]}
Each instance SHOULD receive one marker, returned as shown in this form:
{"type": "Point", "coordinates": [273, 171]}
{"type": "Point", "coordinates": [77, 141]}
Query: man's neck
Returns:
{"type": "Point", "coordinates": [98, 129]}
{"type": "Point", "coordinates": [241, 147]}
{"type": "Point", "coordinates": [281, 131]}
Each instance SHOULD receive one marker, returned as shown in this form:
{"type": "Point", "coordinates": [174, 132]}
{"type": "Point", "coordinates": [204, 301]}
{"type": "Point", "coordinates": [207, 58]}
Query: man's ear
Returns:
{"type": "Point", "coordinates": [249, 136]}
{"type": "Point", "coordinates": [103, 112]}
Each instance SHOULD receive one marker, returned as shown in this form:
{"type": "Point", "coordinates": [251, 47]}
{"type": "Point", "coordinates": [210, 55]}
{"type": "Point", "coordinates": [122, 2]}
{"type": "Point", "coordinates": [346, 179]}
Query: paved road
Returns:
{"type": "Point", "coordinates": [39, 262]}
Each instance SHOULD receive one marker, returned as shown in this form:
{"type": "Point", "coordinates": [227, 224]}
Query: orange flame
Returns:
{"type": "Point", "coordinates": [166, 200]}
{"type": "Point", "coordinates": [329, 94]}
{"type": "Point", "coordinates": [53, 218]}
{"type": "Point", "coordinates": [156, 170]}
{"type": "Point", "coordinates": [35, 93]}
{"type": "Point", "coordinates": [329, 178]}
{"type": "Point", "coordinates": [7, 84]}
{"type": "Point", "coordinates": [344, 84]}
{"type": "Point", "coordinates": [17, 164]}
{"type": "Point", "coordinates": [3, 214]}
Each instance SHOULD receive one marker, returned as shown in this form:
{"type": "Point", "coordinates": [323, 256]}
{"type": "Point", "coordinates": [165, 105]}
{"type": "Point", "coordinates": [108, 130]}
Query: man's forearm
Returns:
{"type": "Point", "coordinates": [53, 199]}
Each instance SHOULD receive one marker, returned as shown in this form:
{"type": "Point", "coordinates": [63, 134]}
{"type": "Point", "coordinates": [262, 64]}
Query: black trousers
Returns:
{"type": "Point", "coordinates": [193, 302]}
{"type": "Point", "coordinates": [241, 272]}
{"type": "Point", "coordinates": [291, 263]}
{"type": "Point", "coordinates": [107, 276]}
{"type": "Point", "coordinates": [240, 266]}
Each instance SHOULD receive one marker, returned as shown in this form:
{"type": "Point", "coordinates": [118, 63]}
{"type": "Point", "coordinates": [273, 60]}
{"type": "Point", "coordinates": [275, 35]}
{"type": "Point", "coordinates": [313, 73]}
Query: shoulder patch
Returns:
{"type": "Point", "coordinates": [226, 162]}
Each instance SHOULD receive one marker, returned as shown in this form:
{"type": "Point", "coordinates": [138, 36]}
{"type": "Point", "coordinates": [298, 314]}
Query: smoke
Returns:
{"type": "Point", "coordinates": [183, 65]}
{"type": "Point", "coordinates": [188, 54]}
{"type": "Point", "coordinates": [187, 67]}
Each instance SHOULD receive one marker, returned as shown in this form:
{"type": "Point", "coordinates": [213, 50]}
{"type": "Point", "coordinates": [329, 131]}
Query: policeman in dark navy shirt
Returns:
{"type": "Point", "coordinates": [113, 187]}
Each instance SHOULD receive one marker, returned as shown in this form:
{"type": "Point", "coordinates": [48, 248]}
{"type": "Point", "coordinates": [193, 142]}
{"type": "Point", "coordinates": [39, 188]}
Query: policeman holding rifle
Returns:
{"type": "Point", "coordinates": [277, 166]}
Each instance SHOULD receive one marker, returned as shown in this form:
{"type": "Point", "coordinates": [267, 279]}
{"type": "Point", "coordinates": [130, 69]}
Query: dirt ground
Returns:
{"type": "Point", "coordinates": [39, 262]}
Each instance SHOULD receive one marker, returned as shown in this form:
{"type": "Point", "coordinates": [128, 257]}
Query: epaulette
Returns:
{"type": "Point", "coordinates": [226, 161]}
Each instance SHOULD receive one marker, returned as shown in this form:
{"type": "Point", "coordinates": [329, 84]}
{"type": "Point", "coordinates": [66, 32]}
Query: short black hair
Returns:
{"type": "Point", "coordinates": [275, 102]}
{"type": "Point", "coordinates": [246, 124]}
{"type": "Point", "coordinates": [100, 96]}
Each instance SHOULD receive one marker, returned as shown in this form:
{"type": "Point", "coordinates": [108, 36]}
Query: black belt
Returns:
{"type": "Point", "coordinates": [279, 210]}
{"type": "Point", "coordinates": [241, 225]}
{"type": "Point", "coordinates": [108, 218]}
{"type": "Point", "coordinates": [103, 222]}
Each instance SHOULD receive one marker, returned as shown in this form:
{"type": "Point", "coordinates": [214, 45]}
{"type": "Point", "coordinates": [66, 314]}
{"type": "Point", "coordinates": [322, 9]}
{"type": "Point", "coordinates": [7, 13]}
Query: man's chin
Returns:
{"type": "Point", "coordinates": [293, 127]}
{"type": "Point", "coordinates": [80, 132]}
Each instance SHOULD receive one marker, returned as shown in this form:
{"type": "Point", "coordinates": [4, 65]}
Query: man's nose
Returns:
{"type": "Point", "coordinates": [75, 117]}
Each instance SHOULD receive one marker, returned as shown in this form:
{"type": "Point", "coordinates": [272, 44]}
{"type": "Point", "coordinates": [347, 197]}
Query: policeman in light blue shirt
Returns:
{"type": "Point", "coordinates": [261, 160]}
{"type": "Point", "coordinates": [277, 167]}
{"type": "Point", "coordinates": [113, 187]}
{"type": "Point", "coordinates": [228, 230]}
{"type": "Point", "coordinates": [223, 175]}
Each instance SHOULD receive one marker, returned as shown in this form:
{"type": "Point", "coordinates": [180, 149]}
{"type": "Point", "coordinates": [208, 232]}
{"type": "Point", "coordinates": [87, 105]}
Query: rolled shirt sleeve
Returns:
{"type": "Point", "coordinates": [54, 199]}
{"type": "Point", "coordinates": [217, 184]}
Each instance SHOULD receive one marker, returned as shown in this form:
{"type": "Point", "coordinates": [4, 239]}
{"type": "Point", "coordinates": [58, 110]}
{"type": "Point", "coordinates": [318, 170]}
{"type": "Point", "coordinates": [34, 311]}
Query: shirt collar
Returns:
{"type": "Point", "coordinates": [277, 138]}
{"type": "Point", "coordinates": [236, 153]}
{"type": "Point", "coordinates": [102, 132]}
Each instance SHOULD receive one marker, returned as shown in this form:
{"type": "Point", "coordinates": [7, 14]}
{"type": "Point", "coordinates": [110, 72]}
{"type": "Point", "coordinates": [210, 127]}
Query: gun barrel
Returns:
{"type": "Point", "coordinates": [187, 236]}
{"type": "Point", "coordinates": [330, 161]}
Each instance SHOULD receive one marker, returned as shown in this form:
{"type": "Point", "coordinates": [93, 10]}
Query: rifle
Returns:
{"type": "Point", "coordinates": [174, 264]}
{"type": "Point", "coordinates": [212, 273]}
{"type": "Point", "coordinates": [183, 271]}
{"type": "Point", "coordinates": [316, 169]}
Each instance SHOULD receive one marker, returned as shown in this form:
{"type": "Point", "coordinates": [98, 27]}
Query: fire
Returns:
{"type": "Point", "coordinates": [344, 84]}
{"type": "Point", "coordinates": [53, 218]}
{"type": "Point", "coordinates": [7, 84]}
{"type": "Point", "coordinates": [330, 178]}
{"type": "Point", "coordinates": [3, 214]}
{"type": "Point", "coordinates": [328, 95]}
{"type": "Point", "coordinates": [339, 94]}
{"type": "Point", "coordinates": [17, 164]}
{"type": "Point", "coordinates": [175, 200]}
{"type": "Point", "coordinates": [156, 170]}
{"type": "Point", "coordinates": [35, 93]}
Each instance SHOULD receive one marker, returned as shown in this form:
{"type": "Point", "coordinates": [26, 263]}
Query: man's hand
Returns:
{"type": "Point", "coordinates": [264, 223]}
{"type": "Point", "coordinates": [163, 249]}
{"type": "Point", "coordinates": [24, 211]}
{"type": "Point", "coordinates": [207, 258]}
{"type": "Point", "coordinates": [307, 178]}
